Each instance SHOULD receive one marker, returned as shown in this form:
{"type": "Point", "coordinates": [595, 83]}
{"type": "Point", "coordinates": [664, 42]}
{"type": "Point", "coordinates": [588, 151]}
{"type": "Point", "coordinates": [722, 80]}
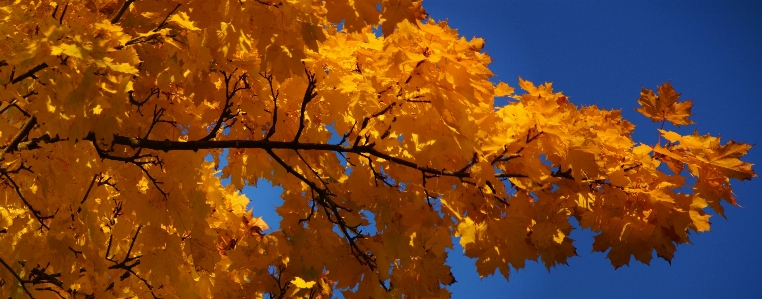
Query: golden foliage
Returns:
{"type": "Point", "coordinates": [387, 144]}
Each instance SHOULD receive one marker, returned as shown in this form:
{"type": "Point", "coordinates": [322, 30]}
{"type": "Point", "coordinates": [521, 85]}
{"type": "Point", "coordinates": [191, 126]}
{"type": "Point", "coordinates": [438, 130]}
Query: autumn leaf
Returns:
{"type": "Point", "coordinates": [300, 283]}
{"type": "Point", "coordinates": [707, 151]}
{"type": "Point", "coordinates": [182, 20]}
{"type": "Point", "coordinates": [665, 106]}
{"type": "Point", "coordinates": [503, 89]}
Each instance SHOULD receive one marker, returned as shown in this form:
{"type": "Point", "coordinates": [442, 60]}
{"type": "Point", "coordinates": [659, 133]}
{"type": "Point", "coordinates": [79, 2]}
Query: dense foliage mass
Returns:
{"type": "Point", "coordinates": [379, 123]}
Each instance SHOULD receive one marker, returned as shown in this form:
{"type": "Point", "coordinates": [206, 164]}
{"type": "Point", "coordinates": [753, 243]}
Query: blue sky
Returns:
{"type": "Point", "coordinates": [602, 52]}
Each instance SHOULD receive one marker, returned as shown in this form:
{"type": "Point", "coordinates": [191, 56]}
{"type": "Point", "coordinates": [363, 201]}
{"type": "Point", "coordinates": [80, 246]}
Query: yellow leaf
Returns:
{"type": "Point", "coordinates": [122, 67]}
{"type": "Point", "coordinates": [300, 283]}
{"type": "Point", "coordinates": [469, 231]}
{"type": "Point", "coordinates": [70, 50]}
{"type": "Point", "coordinates": [394, 12]}
{"type": "Point", "coordinates": [706, 150]}
{"type": "Point", "coordinates": [503, 89]}
{"type": "Point", "coordinates": [182, 20]}
{"type": "Point", "coordinates": [5, 218]}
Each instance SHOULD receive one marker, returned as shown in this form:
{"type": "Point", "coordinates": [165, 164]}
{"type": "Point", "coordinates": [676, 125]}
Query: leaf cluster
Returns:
{"type": "Point", "coordinates": [379, 124]}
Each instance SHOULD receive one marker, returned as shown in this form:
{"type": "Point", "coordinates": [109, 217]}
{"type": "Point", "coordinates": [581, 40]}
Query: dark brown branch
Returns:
{"type": "Point", "coordinates": [154, 91]}
{"type": "Point", "coordinates": [30, 73]}
{"type": "Point", "coordinates": [626, 169]}
{"type": "Point", "coordinates": [146, 38]}
{"type": "Point", "coordinates": [90, 188]}
{"type": "Point", "coordinates": [274, 95]}
{"type": "Point", "coordinates": [15, 104]}
{"type": "Point", "coordinates": [346, 135]}
{"type": "Point", "coordinates": [77, 253]}
{"type": "Point", "coordinates": [508, 158]}
{"type": "Point", "coordinates": [138, 40]}
{"type": "Point", "coordinates": [415, 99]}
{"type": "Point", "coordinates": [164, 22]}
{"type": "Point", "coordinates": [29, 94]}
{"type": "Point", "coordinates": [34, 143]}
{"type": "Point", "coordinates": [55, 10]}
{"type": "Point", "coordinates": [494, 194]}
{"type": "Point", "coordinates": [377, 175]}
{"type": "Point", "coordinates": [474, 159]}
{"type": "Point", "coordinates": [60, 19]}
{"type": "Point", "coordinates": [511, 175]}
{"type": "Point", "coordinates": [21, 281]}
{"type": "Point", "coordinates": [11, 104]}
{"type": "Point", "coordinates": [317, 175]}
{"type": "Point", "coordinates": [137, 157]}
{"type": "Point", "coordinates": [281, 287]}
{"type": "Point", "coordinates": [19, 136]}
{"type": "Point", "coordinates": [38, 275]}
{"type": "Point", "coordinates": [367, 119]}
{"type": "Point", "coordinates": [292, 171]}
{"type": "Point", "coordinates": [313, 208]}
{"type": "Point", "coordinates": [529, 138]}
{"type": "Point", "coordinates": [226, 114]}
{"type": "Point", "coordinates": [169, 145]}
{"type": "Point", "coordinates": [37, 214]}
{"type": "Point", "coordinates": [121, 11]}
{"type": "Point", "coordinates": [309, 94]}
{"type": "Point", "coordinates": [136, 160]}
{"type": "Point", "coordinates": [125, 263]}
{"type": "Point", "coordinates": [413, 71]}
{"type": "Point", "coordinates": [331, 208]}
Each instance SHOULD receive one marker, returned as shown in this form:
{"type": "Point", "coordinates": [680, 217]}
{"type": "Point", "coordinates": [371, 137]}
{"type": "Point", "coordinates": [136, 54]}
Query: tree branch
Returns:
{"type": "Point", "coordinates": [226, 114]}
{"type": "Point", "coordinates": [309, 94]}
{"type": "Point", "coordinates": [274, 95]}
{"type": "Point", "coordinates": [37, 214]}
{"type": "Point", "coordinates": [154, 91]}
{"type": "Point", "coordinates": [30, 73]}
{"type": "Point", "coordinates": [90, 188]}
{"type": "Point", "coordinates": [145, 38]}
{"type": "Point", "coordinates": [331, 208]}
{"type": "Point", "coordinates": [169, 145]}
{"type": "Point", "coordinates": [125, 263]}
{"type": "Point", "coordinates": [21, 281]}
{"type": "Point", "coordinates": [121, 11]}
{"type": "Point", "coordinates": [19, 136]}
{"type": "Point", "coordinates": [60, 19]}
{"type": "Point", "coordinates": [164, 22]}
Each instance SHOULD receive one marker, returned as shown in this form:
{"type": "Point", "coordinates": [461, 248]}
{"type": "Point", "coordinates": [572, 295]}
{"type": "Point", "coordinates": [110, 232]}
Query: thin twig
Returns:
{"type": "Point", "coordinates": [30, 73]}
{"type": "Point", "coordinates": [164, 22]}
{"type": "Point", "coordinates": [274, 95]}
{"type": "Point", "coordinates": [121, 11]}
{"type": "Point", "coordinates": [309, 94]}
{"type": "Point", "coordinates": [19, 136]}
{"type": "Point", "coordinates": [21, 281]}
{"type": "Point", "coordinates": [37, 214]}
{"type": "Point", "coordinates": [90, 188]}
{"type": "Point", "coordinates": [60, 20]}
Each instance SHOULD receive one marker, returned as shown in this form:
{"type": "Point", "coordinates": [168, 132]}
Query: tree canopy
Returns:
{"type": "Point", "coordinates": [380, 124]}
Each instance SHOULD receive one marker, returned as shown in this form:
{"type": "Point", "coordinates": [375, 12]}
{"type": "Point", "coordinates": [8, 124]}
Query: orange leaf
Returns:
{"type": "Point", "coordinates": [665, 106]}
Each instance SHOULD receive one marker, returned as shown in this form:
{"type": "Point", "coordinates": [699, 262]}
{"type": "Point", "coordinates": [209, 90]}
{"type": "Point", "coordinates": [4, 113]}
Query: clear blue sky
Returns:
{"type": "Point", "coordinates": [602, 52]}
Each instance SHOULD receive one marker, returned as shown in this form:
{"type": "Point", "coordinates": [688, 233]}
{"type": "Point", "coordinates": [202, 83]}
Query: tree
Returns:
{"type": "Point", "coordinates": [386, 140]}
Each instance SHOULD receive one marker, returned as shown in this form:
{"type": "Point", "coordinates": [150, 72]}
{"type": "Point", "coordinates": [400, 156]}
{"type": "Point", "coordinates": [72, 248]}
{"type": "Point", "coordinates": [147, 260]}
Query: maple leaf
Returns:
{"type": "Point", "coordinates": [503, 89]}
{"type": "Point", "coordinates": [707, 151]}
{"type": "Point", "coordinates": [395, 11]}
{"type": "Point", "coordinates": [665, 106]}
